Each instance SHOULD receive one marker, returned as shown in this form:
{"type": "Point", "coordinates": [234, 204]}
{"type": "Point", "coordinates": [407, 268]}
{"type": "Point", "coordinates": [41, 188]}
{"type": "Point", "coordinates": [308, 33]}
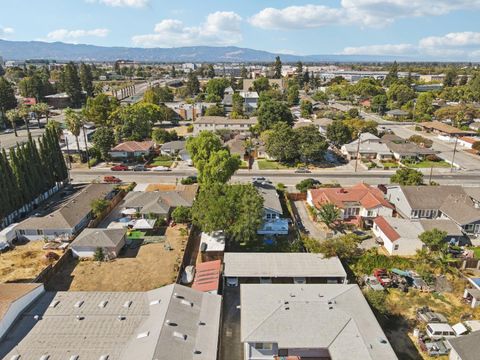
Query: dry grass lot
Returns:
{"type": "Point", "coordinates": [24, 263]}
{"type": "Point", "coordinates": [145, 268]}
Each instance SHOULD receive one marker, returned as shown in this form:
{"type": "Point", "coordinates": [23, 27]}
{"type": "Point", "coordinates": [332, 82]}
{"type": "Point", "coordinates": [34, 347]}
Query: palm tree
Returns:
{"type": "Point", "coordinates": [43, 109]}
{"type": "Point", "coordinates": [328, 214]}
{"type": "Point", "coordinates": [74, 123]}
{"type": "Point", "coordinates": [24, 113]}
{"type": "Point", "coordinates": [13, 116]}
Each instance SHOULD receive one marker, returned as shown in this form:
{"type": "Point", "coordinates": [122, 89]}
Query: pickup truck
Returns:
{"type": "Point", "coordinates": [111, 180]}
{"type": "Point", "coordinates": [383, 277]}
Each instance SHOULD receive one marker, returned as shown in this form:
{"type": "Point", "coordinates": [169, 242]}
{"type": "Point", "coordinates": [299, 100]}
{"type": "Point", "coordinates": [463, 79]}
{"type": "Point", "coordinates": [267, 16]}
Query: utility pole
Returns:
{"type": "Point", "coordinates": [454, 151]}
{"type": "Point", "coordinates": [430, 178]}
{"type": "Point", "coordinates": [86, 147]}
{"type": "Point", "coordinates": [68, 153]}
{"type": "Point", "coordinates": [358, 151]}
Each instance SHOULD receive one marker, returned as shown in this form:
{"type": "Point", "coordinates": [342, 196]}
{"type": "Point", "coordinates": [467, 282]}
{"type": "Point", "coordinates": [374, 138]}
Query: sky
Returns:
{"type": "Point", "coordinates": [417, 28]}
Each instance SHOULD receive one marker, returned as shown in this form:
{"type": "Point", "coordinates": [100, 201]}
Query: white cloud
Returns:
{"type": "Point", "coordinates": [219, 28]}
{"type": "Point", "coordinates": [64, 34]}
{"type": "Point", "coordinates": [122, 3]}
{"type": "Point", "coordinates": [449, 46]}
{"type": "Point", "coordinates": [5, 31]}
{"type": "Point", "coordinates": [372, 13]}
{"type": "Point", "coordinates": [387, 49]}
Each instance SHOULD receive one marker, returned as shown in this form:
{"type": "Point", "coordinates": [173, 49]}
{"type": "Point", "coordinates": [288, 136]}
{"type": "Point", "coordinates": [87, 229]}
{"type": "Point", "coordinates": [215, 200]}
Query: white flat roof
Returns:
{"type": "Point", "coordinates": [282, 265]}
{"type": "Point", "coordinates": [215, 241]}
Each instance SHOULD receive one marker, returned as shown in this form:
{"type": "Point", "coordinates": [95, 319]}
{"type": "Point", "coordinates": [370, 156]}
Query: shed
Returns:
{"type": "Point", "coordinates": [110, 241]}
{"type": "Point", "coordinates": [207, 277]}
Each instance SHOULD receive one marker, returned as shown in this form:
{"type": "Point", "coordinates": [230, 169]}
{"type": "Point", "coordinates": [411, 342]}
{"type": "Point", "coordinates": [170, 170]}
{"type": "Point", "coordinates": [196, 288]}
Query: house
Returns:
{"type": "Point", "coordinates": [14, 299]}
{"type": "Point", "coordinates": [69, 141]}
{"type": "Point", "coordinates": [361, 202]}
{"type": "Point", "coordinates": [176, 148]}
{"type": "Point", "coordinates": [472, 292]}
{"type": "Point", "coordinates": [227, 101]}
{"type": "Point", "coordinates": [132, 150]}
{"type": "Point", "coordinates": [475, 126]}
{"type": "Point", "coordinates": [467, 142]}
{"type": "Point", "coordinates": [437, 202]}
{"type": "Point", "coordinates": [207, 276]}
{"type": "Point", "coordinates": [159, 203]}
{"type": "Point", "coordinates": [321, 124]}
{"type": "Point", "coordinates": [309, 321]}
{"type": "Point", "coordinates": [58, 101]}
{"type": "Point", "coordinates": [283, 268]}
{"type": "Point", "coordinates": [273, 224]}
{"type": "Point", "coordinates": [173, 322]}
{"type": "Point", "coordinates": [371, 147]}
{"type": "Point", "coordinates": [405, 150]}
{"type": "Point", "coordinates": [111, 241]}
{"type": "Point", "coordinates": [445, 131]}
{"type": "Point", "coordinates": [69, 219]}
{"type": "Point", "coordinates": [212, 245]}
{"type": "Point", "coordinates": [465, 347]}
{"type": "Point", "coordinates": [188, 111]}
{"type": "Point", "coordinates": [397, 114]}
{"type": "Point", "coordinates": [250, 101]}
{"type": "Point", "coordinates": [214, 123]}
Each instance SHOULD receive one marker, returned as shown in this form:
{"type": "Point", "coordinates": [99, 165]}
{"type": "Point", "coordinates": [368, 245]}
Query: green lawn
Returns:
{"type": "Point", "coordinates": [162, 161]}
{"type": "Point", "coordinates": [476, 251]}
{"type": "Point", "coordinates": [390, 164]}
{"type": "Point", "coordinates": [271, 165]}
{"type": "Point", "coordinates": [136, 235]}
{"type": "Point", "coordinates": [429, 164]}
{"type": "Point", "coordinates": [244, 165]}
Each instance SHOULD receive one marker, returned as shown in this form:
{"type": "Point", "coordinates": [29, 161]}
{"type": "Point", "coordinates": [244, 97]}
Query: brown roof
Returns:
{"type": "Point", "coordinates": [445, 128]}
{"type": "Point", "coordinates": [207, 276]}
{"type": "Point", "coordinates": [386, 228]}
{"type": "Point", "coordinates": [469, 140]}
{"type": "Point", "coordinates": [369, 197]}
{"type": "Point", "coordinates": [11, 292]}
{"type": "Point", "coordinates": [223, 120]}
{"type": "Point", "coordinates": [132, 146]}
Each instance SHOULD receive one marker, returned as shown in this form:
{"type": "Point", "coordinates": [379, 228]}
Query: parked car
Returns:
{"type": "Point", "coordinates": [302, 170]}
{"type": "Point", "coordinates": [383, 277]}
{"type": "Point", "coordinates": [258, 179]}
{"type": "Point", "coordinates": [139, 168]}
{"type": "Point", "coordinates": [161, 168]}
{"type": "Point", "coordinates": [373, 283]}
{"type": "Point", "coordinates": [232, 281]}
{"type": "Point", "coordinates": [119, 168]}
{"type": "Point", "coordinates": [111, 180]}
{"type": "Point", "coordinates": [437, 331]}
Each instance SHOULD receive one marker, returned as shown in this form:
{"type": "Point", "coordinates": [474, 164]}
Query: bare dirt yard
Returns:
{"type": "Point", "coordinates": [24, 263]}
{"type": "Point", "coordinates": [147, 267]}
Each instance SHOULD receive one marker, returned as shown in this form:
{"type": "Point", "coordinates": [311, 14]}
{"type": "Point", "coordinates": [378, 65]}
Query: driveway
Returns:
{"type": "Point", "coordinates": [231, 347]}
{"type": "Point", "coordinates": [301, 213]}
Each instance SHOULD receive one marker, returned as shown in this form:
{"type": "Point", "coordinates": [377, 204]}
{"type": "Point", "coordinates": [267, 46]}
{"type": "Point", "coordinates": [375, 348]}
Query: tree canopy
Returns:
{"type": "Point", "coordinates": [406, 176]}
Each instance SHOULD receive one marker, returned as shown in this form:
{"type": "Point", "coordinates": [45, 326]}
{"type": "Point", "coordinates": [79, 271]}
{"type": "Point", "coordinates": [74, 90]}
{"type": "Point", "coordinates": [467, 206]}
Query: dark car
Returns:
{"type": "Point", "coordinates": [302, 170]}
{"type": "Point", "coordinates": [119, 168]}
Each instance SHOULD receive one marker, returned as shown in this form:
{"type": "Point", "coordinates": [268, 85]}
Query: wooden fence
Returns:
{"type": "Point", "coordinates": [51, 270]}
{"type": "Point", "coordinates": [114, 202]}
{"type": "Point", "coordinates": [191, 251]}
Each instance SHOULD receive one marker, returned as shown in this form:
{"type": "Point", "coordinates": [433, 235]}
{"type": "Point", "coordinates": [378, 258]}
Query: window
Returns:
{"type": "Point", "coordinates": [469, 228]}
{"type": "Point", "coordinates": [263, 346]}
{"type": "Point", "coordinates": [39, 232]}
{"type": "Point", "coordinates": [370, 213]}
{"type": "Point", "coordinates": [396, 247]}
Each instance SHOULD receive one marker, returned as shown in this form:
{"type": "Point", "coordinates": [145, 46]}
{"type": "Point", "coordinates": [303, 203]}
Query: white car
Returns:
{"type": "Point", "coordinates": [161, 168]}
{"type": "Point", "coordinates": [232, 281]}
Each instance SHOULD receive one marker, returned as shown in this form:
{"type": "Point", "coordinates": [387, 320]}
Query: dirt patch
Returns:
{"type": "Point", "coordinates": [160, 187]}
{"type": "Point", "coordinates": [148, 267]}
{"type": "Point", "coordinates": [24, 263]}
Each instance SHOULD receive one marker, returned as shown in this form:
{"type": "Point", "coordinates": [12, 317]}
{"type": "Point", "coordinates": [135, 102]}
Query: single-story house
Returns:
{"type": "Point", "coordinates": [464, 347]}
{"type": "Point", "coordinates": [475, 126]}
{"type": "Point", "coordinates": [467, 141]}
{"type": "Point", "coordinates": [176, 148]}
{"type": "Point", "coordinates": [356, 203]}
{"type": "Point", "coordinates": [171, 322]}
{"type": "Point", "coordinates": [14, 299]}
{"type": "Point", "coordinates": [309, 321]}
{"type": "Point", "coordinates": [472, 292]}
{"type": "Point", "coordinates": [405, 150]}
{"type": "Point", "coordinates": [111, 241]}
{"type": "Point", "coordinates": [445, 130]}
{"type": "Point", "coordinates": [397, 114]}
{"type": "Point", "coordinates": [69, 219]}
{"type": "Point", "coordinates": [213, 123]}
{"type": "Point", "coordinates": [283, 268]}
{"type": "Point", "coordinates": [273, 224]}
{"type": "Point", "coordinates": [132, 150]}
{"type": "Point", "coordinates": [321, 124]}
{"type": "Point", "coordinates": [212, 245]}
{"type": "Point", "coordinates": [371, 147]}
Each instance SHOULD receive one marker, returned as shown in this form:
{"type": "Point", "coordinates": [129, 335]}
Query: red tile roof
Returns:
{"type": "Point", "coordinates": [29, 101]}
{"type": "Point", "coordinates": [468, 140]}
{"type": "Point", "coordinates": [207, 276]}
{"type": "Point", "coordinates": [386, 228]}
{"type": "Point", "coordinates": [132, 146]}
{"type": "Point", "coordinates": [369, 197]}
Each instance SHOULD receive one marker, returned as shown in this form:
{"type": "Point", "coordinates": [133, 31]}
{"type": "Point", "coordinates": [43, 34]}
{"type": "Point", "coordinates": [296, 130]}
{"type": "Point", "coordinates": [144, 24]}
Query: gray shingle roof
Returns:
{"type": "Point", "coordinates": [99, 237]}
{"type": "Point", "coordinates": [271, 200]}
{"type": "Point", "coordinates": [448, 226]}
{"type": "Point", "coordinates": [335, 317]}
{"type": "Point", "coordinates": [157, 202]}
{"type": "Point", "coordinates": [429, 197]}
{"type": "Point", "coordinates": [467, 346]}
{"type": "Point", "coordinates": [139, 331]}
{"type": "Point", "coordinates": [174, 145]}
{"type": "Point", "coordinates": [282, 265]}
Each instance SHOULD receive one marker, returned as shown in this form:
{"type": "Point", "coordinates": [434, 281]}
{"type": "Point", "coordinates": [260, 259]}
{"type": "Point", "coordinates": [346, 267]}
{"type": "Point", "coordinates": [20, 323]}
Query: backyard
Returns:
{"type": "Point", "coordinates": [24, 263]}
{"type": "Point", "coordinates": [138, 268]}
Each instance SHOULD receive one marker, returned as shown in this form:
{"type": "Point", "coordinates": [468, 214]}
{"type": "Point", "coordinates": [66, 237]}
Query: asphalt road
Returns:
{"type": "Point", "coordinates": [8, 141]}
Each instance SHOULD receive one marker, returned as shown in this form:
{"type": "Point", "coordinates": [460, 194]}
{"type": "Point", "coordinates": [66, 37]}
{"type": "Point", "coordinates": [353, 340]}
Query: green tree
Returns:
{"type": "Point", "coordinates": [379, 103]}
{"type": "Point", "coordinates": [450, 77]}
{"type": "Point", "coordinates": [424, 106]}
{"type": "Point", "coordinates": [328, 213]}
{"type": "Point", "coordinates": [210, 71]}
{"type": "Point", "coordinates": [392, 76]}
{"type": "Point", "coordinates": [359, 126]}
{"type": "Point", "coordinates": [86, 79]}
{"type": "Point", "coordinates": [261, 84]}
{"type": "Point", "coordinates": [307, 184]}
{"type": "Point", "coordinates": [158, 95]}
{"type": "Point", "coordinates": [345, 247]}
{"type": "Point", "coordinates": [74, 122]}
{"type": "Point", "coordinates": [24, 113]}
{"type": "Point", "coordinates": [399, 94]}
{"type": "Point", "coordinates": [299, 73]}
{"type": "Point", "coordinates": [192, 85]}
{"type": "Point", "coordinates": [306, 108]}
{"type": "Point", "coordinates": [55, 127]}
{"type": "Point", "coordinates": [281, 143]}
{"type": "Point", "coordinates": [98, 206]}
{"type": "Point", "coordinates": [72, 85]}
{"type": "Point", "coordinates": [201, 147]}
{"type": "Point", "coordinates": [310, 143]}
{"type": "Point", "coordinates": [320, 96]}
{"type": "Point", "coordinates": [272, 112]}
{"type": "Point", "coordinates": [104, 140]}
{"type": "Point", "coordinates": [99, 255]}
{"type": "Point", "coordinates": [243, 72]}
{"type": "Point", "coordinates": [135, 122]}
{"type": "Point", "coordinates": [237, 106]}
{"type": "Point", "coordinates": [7, 97]}
{"type": "Point", "coordinates": [338, 133]}
{"type": "Point", "coordinates": [99, 109]}
{"type": "Point", "coordinates": [216, 88]}
{"type": "Point", "coordinates": [161, 136]}
{"type": "Point", "coordinates": [219, 168]}
{"type": "Point", "coordinates": [293, 94]}
{"type": "Point", "coordinates": [434, 239]}
{"type": "Point", "coordinates": [406, 176]}
{"type": "Point", "coordinates": [13, 116]}
{"type": "Point", "coordinates": [215, 110]}
{"type": "Point", "coordinates": [182, 215]}
{"type": "Point", "coordinates": [277, 68]}
{"type": "Point", "coordinates": [42, 109]}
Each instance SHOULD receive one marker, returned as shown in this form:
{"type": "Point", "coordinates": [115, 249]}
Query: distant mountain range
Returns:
{"type": "Point", "coordinates": [59, 51]}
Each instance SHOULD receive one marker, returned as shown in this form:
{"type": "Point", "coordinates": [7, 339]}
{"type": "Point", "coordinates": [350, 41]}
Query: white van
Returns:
{"type": "Point", "coordinates": [437, 331]}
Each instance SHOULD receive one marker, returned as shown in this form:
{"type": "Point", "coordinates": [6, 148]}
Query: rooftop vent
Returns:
{"type": "Point", "coordinates": [54, 303]}
{"type": "Point", "coordinates": [202, 323]}
{"type": "Point", "coordinates": [330, 307]}
{"type": "Point", "coordinates": [103, 304]}
{"type": "Point", "coordinates": [121, 317]}
{"type": "Point", "coordinates": [197, 352]}
{"type": "Point", "coordinates": [78, 304]}
{"type": "Point", "coordinates": [74, 357]}
{"type": "Point", "coordinates": [170, 323]}
{"type": "Point", "coordinates": [143, 335]}
{"type": "Point", "coordinates": [382, 341]}
{"type": "Point", "coordinates": [127, 304]}
{"type": "Point", "coordinates": [15, 357]}
{"type": "Point", "coordinates": [37, 317]}
{"type": "Point", "coordinates": [292, 295]}
{"type": "Point", "coordinates": [44, 357]}
{"type": "Point", "coordinates": [154, 302]}
{"type": "Point", "coordinates": [186, 302]}
{"type": "Point", "coordinates": [79, 318]}
{"type": "Point", "coordinates": [287, 307]}
{"type": "Point", "coordinates": [180, 335]}
{"type": "Point", "coordinates": [178, 296]}
{"type": "Point", "coordinates": [103, 357]}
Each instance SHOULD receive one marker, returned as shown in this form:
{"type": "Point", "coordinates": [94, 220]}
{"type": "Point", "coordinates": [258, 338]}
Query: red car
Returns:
{"type": "Point", "coordinates": [111, 180]}
{"type": "Point", "coordinates": [119, 168]}
{"type": "Point", "coordinates": [382, 277]}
